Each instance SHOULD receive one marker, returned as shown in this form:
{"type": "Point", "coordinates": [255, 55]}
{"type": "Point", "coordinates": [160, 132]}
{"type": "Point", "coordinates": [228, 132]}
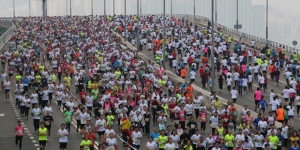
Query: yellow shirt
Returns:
{"type": "Point", "coordinates": [67, 81]}
{"type": "Point", "coordinates": [43, 137]}
{"type": "Point", "coordinates": [86, 144]}
{"type": "Point", "coordinates": [274, 140]}
{"type": "Point", "coordinates": [162, 141]}
{"type": "Point", "coordinates": [229, 140]}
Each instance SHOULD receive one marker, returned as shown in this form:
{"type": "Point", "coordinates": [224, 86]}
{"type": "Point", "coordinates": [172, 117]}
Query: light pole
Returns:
{"type": "Point", "coordinates": [92, 7]}
{"type": "Point", "coordinates": [138, 26]}
{"type": "Point", "coordinates": [164, 35]}
{"type": "Point", "coordinates": [141, 7]}
{"type": "Point", "coordinates": [66, 7]}
{"type": "Point", "coordinates": [212, 47]}
{"type": "Point", "coordinates": [104, 10]}
{"type": "Point", "coordinates": [194, 10]}
{"type": "Point", "coordinates": [267, 18]}
{"type": "Point", "coordinates": [237, 15]}
{"type": "Point", "coordinates": [14, 8]}
{"type": "Point", "coordinates": [113, 7]}
{"type": "Point", "coordinates": [29, 8]}
{"type": "Point", "coordinates": [70, 8]}
{"type": "Point", "coordinates": [171, 8]}
{"type": "Point", "coordinates": [125, 22]}
{"type": "Point", "coordinates": [216, 11]}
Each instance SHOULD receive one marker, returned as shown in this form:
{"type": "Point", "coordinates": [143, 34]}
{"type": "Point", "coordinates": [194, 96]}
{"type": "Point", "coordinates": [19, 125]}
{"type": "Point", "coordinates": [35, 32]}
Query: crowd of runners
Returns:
{"type": "Point", "coordinates": [50, 57]}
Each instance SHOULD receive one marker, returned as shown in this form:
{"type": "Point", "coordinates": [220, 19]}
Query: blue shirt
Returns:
{"type": "Point", "coordinates": [262, 103]}
{"type": "Point", "coordinates": [255, 122]}
{"type": "Point", "coordinates": [240, 82]}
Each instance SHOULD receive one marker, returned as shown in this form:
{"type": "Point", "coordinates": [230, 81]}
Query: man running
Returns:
{"type": "Point", "coordinates": [42, 133]}
{"type": "Point", "coordinates": [48, 120]}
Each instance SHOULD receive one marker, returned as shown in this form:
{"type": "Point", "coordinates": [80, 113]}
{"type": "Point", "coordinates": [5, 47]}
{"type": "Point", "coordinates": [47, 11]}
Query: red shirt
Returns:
{"type": "Point", "coordinates": [92, 138]}
{"type": "Point", "coordinates": [225, 119]}
{"type": "Point", "coordinates": [82, 96]}
{"type": "Point", "coordinates": [172, 106]}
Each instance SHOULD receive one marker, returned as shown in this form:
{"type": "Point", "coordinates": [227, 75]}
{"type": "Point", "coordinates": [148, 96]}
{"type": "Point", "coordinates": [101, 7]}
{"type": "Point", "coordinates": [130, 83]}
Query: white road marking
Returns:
{"type": "Point", "coordinates": [2, 115]}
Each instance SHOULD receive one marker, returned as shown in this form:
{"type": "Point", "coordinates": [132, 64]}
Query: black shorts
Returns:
{"type": "Point", "coordinates": [101, 133]}
{"type": "Point", "coordinates": [172, 116]}
{"type": "Point", "coordinates": [189, 115]}
{"type": "Point", "coordinates": [7, 90]}
{"type": "Point", "coordinates": [136, 146]}
{"type": "Point", "coordinates": [63, 145]}
{"type": "Point", "coordinates": [256, 102]}
{"type": "Point", "coordinates": [192, 80]}
{"type": "Point", "coordinates": [82, 126]}
{"type": "Point", "coordinates": [43, 142]}
{"type": "Point", "coordinates": [48, 127]}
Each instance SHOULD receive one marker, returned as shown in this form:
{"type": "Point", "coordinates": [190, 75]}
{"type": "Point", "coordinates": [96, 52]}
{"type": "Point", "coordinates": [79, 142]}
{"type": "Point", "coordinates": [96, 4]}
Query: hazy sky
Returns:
{"type": "Point", "coordinates": [284, 5]}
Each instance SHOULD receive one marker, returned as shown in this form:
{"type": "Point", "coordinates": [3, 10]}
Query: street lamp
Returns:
{"type": "Point", "coordinates": [237, 15]}
{"type": "Point", "coordinates": [164, 35]}
{"type": "Point", "coordinates": [14, 8]}
{"type": "Point", "coordinates": [171, 8]}
{"type": "Point", "coordinates": [70, 8]}
{"type": "Point", "coordinates": [212, 47]}
{"type": "Point", "coordinates": [29, 8]}
{"type": "Point", "coordinates": [138, 26]}
{"type": "Point", "coordinates": [267, 18]}
{"type": "Point", "coordinates": [92, 7]}
{"type": "Point", "coordinates": [125, 22]}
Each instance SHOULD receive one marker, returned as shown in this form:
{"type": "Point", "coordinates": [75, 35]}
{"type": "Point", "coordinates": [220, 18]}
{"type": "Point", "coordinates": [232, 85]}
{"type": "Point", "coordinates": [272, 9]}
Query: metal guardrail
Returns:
{"type": "Point", "coordinates": [5, 37]}
{"type": "Point", "coordinates": [241, 34]}
{"type": "Point", "coordinates": [10, 30]}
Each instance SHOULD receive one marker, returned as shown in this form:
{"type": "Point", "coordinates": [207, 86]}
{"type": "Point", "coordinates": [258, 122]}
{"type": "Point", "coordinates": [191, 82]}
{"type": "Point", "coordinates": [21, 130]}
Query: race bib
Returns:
{"type": "Point", "coordinates": [176, 121]}
{"type": "Point", "coordinates": [137, 142]}
{"type": "Point", "coordinates": [154, 106]}
{"type": "Point", "coordinates": [47, 122]}
{"type": "Point", "coordinates": [197, 105]}
{"type": "Point", "coordinates": [155, 139]}
{"type": "Point", "coordinates": [147, 119]}
{"type": "Point", "coordinates": [229, 144]}
{"type": "Point", "coordinates": [83, 96]}
{"type": "Point", "coordinates": [193, 126]}
{"type": "Point", "coordinates": [214, 125]}
{"type": "Point", "coordinates": [83, 121]}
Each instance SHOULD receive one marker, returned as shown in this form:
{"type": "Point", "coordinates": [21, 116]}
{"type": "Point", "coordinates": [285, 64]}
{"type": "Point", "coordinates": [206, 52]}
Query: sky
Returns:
{"type": "Point", "coordinates": [284, 5]}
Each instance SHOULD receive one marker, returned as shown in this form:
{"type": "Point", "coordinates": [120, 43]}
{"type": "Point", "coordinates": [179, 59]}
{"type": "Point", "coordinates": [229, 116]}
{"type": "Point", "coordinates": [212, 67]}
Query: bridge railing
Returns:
{"type": "Point", "coordinates": [6, 36]}
{"type": "Point", "coordinates": [263, 41]}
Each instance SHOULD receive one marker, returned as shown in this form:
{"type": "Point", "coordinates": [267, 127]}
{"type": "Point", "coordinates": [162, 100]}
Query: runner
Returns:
{"type": "Point", "coordinates": [48, 119]}
{"type": "Point", "coordinates": [43, 134]}
{"type": "Point", "coordinates": [19, 132]}
{"type": "Point", "coordinates": [63, 134]}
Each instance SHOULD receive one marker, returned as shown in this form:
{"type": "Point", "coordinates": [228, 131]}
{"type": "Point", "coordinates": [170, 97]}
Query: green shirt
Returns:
{"type": "Point", "coordinates": [68, 115]}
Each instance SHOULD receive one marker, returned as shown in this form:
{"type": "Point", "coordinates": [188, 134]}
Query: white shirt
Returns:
{"type": "Point", "coordinates": [111, 142]}
{"type": "Point", "coordinates": [136, 137]}
{"type": "Point", "coordinates": [169, 146]}
{"type": "Point", "coordinates": [101, 125]}
{"type": "Point", "coordinates": [193, 74]}
{"type": "Point", "coordinates": [63, 135]}
{"type": "Point", "coordinates": [36, 113]}
{"type": "Point", "coordinates": [258, 140]}
{"type": "Point", "coordinates": [151, 145]}
{"type": "Point", "coordinates": [233, 94]}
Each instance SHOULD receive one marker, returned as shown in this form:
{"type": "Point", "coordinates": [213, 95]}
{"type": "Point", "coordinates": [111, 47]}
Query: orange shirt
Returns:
{"type": "Point", "coordinates": [189, 89]}
{"type": "Point", "coordinates": [280, 114]}
{"type": "Point", "coordinates": [183, 73]}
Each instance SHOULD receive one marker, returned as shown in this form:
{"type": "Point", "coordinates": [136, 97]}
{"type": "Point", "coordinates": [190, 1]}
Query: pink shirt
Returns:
{"type": "Point", "coordinates": [243, 68]}
{"type": "Point", "coordinates": [258, 95]}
